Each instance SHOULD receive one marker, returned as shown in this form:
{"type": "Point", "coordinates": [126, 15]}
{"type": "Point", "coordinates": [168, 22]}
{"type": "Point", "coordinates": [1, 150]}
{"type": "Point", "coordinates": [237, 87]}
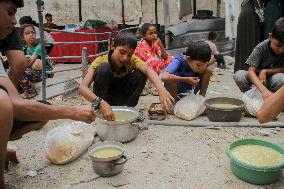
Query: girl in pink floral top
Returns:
{"type": "Point", "coordinates": [151, 50]}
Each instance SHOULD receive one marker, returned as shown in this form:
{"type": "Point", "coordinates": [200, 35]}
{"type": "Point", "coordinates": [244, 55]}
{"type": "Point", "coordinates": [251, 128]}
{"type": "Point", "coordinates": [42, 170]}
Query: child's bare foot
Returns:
{"type": "Point", "coordinates": [29, 94]}
{"type": "Point", "coordinates": [11, 156]}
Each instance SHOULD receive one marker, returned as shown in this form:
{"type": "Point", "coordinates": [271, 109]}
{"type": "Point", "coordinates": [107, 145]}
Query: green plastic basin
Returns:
{"type": "Point", "coordinates": [251, 173]}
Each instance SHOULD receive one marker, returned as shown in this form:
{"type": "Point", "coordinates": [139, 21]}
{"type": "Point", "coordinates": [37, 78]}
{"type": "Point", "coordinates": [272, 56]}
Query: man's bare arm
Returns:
{"type": "Point", "coordinates": [27, 110]}
{"type": "Point", "coordinates": [17, 63]}
{"type": "Point", "coordinates": [271, 106]}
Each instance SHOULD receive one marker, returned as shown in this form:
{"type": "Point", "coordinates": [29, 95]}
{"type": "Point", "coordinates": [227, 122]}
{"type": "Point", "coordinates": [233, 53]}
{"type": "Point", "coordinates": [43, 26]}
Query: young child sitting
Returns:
{"type": "Point", "coordinates": [266, 64]}
{"type": "Point", "coordinates": [33, 73]}
{"type": "Point", "coordinates": [189, 70]}
{"type": "Point", "coordinates": [151, 50]}
{"type": "Point", "coordinates": [212, 38]}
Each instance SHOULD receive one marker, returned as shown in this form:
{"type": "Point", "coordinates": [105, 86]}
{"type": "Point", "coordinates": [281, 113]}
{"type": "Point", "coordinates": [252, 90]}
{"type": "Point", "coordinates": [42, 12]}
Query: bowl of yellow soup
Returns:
{"type": "Point", "coordinates": [107, 157]}
{"type": "Point", "coordinates": [256, 161]}
{"type": "Point", "coordinates": [224, 109]}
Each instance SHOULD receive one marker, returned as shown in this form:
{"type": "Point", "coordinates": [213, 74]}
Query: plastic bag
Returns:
{"type": "Point", "coordinates": [68, 141]}
{"type": "Point", "coordinates": [253, 100]}
{"type": "Point", "coordinates": [189, 107]}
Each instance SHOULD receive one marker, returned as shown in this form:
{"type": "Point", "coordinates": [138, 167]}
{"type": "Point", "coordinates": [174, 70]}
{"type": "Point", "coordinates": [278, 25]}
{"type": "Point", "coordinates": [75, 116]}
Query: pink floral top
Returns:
{"type": "Point", "coordinates": [152, 56]}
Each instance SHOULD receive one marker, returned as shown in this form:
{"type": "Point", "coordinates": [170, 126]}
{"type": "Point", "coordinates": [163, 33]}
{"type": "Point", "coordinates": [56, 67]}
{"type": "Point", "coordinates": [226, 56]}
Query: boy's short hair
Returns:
{"type": "Point", "coordinates": [26, 20]}
{"type": "Point", "coordinates": [48, 15]}
{"type": "Point", "coordinates": [212, 35]}
{"type": "Point", "coordinates": [22, 28]}
{"type": "Point", "coordinates": [145, 27]}
{"type": "Point", "coordinates": [125, 38]}
{"type": "Point", "coordinates": [278, 30]}
{"type": "Point", "coordinates": [198, 50]}
{"type": "Point", "coordinates": [18, 3]}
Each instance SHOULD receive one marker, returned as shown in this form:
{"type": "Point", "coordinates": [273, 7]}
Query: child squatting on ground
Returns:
{"type": "Point", "coordinates": [189, 70]}
{"type": "Point", "coordinates": [266, 64]}
{"type": "Point", "coordinates": [119, 78]}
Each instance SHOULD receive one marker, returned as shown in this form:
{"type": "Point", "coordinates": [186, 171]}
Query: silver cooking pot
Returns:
{"type": "Point", "coordinates": [119, 131]}
{"type": "Point", "coordinates": [111, 165]}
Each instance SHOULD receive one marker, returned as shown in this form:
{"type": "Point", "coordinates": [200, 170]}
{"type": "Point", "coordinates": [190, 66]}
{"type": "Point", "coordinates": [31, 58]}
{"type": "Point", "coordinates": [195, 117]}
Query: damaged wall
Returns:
{"type": "Point", "coordinates": [66, 11]}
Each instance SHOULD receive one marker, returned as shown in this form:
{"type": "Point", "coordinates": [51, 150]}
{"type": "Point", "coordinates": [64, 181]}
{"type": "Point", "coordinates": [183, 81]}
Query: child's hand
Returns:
{"type": "Point", "coordinates": [192, 80]}
{"type": "Point", "coordinates": [266, 93]}
{"type": "Point", "coordinates": [166, 100]}
{"type": "Point", "coordinates": [106, 111]}
{"type": "Point", "coordinates": [28, 58]}
{"type": "Point", "coordinates": [262, 76]}
{"type": "Point", "coordinates": [159, 42]}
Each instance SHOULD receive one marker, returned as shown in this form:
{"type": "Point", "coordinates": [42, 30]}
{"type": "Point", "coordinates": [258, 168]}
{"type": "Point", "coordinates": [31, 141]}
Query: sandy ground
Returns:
{"type": "Point", "coordinates": [160, 157]}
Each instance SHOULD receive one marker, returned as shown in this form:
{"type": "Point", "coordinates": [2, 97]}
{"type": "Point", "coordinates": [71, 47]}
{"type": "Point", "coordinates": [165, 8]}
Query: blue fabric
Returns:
{"type": "Point", "coordinates": [180, 67]}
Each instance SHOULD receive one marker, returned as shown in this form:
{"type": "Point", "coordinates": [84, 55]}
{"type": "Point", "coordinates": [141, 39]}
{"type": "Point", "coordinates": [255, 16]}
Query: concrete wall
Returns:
{"type": "Point", "coordinates": [66, 11]}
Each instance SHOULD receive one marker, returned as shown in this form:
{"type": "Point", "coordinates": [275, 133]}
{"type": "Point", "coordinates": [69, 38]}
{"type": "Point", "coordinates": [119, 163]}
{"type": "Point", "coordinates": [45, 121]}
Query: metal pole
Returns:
{"type": "Point", "coordinates": [214, 124]}
{"type": "Point", "coordinates": [84, 61]}
{"type": "Point", "coordinates": [156, 13]}
{"type": "Point", "coordinates": [80, 11]}
{"type": "Point", "coordinates": [166, 20]}
{"type": "Point", "coordinates": [40, 4]}
{"type": "Point", "coordinates": [122, 13]}
{"type": "Point", "coordinates": [218, 8]}
{"type": "Point", "coordinates": [109, 42]}
{"type": "Point", "coordinates": [194, 7]}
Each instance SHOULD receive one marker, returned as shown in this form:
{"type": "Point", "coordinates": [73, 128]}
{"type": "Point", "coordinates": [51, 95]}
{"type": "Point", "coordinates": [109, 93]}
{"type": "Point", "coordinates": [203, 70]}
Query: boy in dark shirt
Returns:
{"type": "Point", "coordinates": [266, 64]}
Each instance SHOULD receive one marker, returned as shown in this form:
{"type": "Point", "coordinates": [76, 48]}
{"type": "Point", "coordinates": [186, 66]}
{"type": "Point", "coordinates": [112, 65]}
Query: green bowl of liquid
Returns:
{"type": "Point", "coordinates": [256, 161]}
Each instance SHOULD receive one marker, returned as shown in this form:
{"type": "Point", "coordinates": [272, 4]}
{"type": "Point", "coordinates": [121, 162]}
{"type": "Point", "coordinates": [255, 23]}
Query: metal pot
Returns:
{"type": "Point", "coordinates": [107, 166]}
{"type": "Point", "coordinates": [120, 131]}
{"type": "Point", "coordinates": [221, 114]}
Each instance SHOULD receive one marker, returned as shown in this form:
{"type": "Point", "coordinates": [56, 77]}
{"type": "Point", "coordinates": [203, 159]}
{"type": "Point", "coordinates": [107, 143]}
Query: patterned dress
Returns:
{"type": "Point", "coordinates": [152, 56]}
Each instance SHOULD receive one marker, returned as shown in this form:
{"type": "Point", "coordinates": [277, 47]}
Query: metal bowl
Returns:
{"type": "Point", "coordinates": [107, 166]}
{"type": "Point", "coordinates": [224, 114]}
{"type": "Point", "coordinates": [120, 131]}
{"type": "Point", "coordinates": [126, 109]}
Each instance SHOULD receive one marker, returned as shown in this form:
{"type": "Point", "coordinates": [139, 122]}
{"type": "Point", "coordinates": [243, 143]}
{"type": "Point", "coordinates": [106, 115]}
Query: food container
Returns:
{"type": "Point", "coordinates": [224, 114]}
{"type": "Point", "coordinates": [251, 173]}
{"type": "Point", "coordinates": [107, 166]}
{"type": "Point", "coordinates": [120, 131]}
{"type": "Point", "coordinates": [156, 112]}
